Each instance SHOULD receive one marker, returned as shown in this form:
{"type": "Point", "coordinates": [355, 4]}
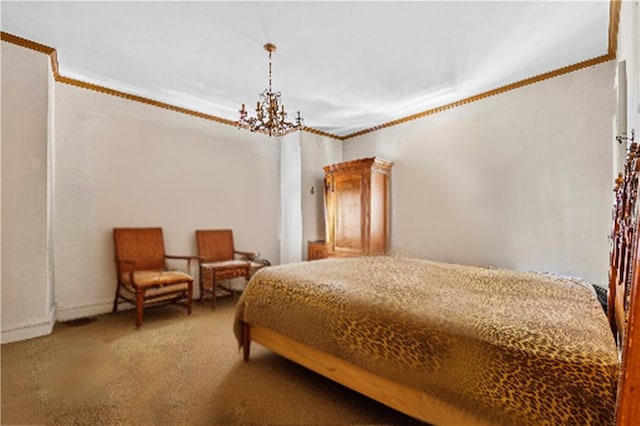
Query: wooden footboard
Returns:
{"type": "Point", "coordinates": [400, 397]}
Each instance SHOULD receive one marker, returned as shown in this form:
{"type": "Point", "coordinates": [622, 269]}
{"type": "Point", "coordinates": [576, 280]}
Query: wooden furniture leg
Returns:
{"type": "Point", "coordinates": [246, 341]}
{"type": "Point", "coordinates": [213, 289]}
{"type": "Point", "coordinates": [202, 272]}
{"type": "Point", "coordinates": [139, 307]}
{"type": "Point", "coordinates": [190, 298]}
{"type": "Point", "coordinates": [115, 299]}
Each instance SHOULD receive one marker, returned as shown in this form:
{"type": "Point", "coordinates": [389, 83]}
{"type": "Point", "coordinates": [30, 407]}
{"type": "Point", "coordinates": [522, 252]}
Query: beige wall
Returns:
{"type": "Point", "coordinates": [629, 52]}
{"type": "Point", "coordinates": [520, 180]}
{"type": "Point", "coordinates": [27, 303]}
{"type": "Point", "coordinates": [123, 163]}
{"type": "Point", "coordinates": [317, 152]}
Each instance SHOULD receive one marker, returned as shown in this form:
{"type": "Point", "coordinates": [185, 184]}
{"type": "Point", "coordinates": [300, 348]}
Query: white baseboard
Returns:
{"type": "Point", "coordinates": [30, 331]}
{"type": "Point", "coordinates": [75, 312]}
{"type": "Point", "coordinates": [42, 328]}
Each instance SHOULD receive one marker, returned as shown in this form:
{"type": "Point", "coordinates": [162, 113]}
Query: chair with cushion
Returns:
{"type": "Point", "coordinates": [143, 278]}
{"type": "Point", "coordinates": [219, 261]}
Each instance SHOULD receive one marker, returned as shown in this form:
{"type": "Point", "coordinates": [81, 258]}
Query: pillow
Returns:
{"type": "Point", "coordinates": [602, 296]}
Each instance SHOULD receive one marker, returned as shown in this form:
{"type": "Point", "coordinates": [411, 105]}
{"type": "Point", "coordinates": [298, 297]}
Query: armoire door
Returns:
{"type": "Point", "coordinates": [349, 213]}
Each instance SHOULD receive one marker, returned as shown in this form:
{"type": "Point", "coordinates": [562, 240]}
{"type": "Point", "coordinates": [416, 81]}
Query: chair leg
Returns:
{"type": "Point", "coordinates": [189, 297]}
{"type": "Point", "coordinates": [201, 278]}
{"type": "Point", "coordinates": [115, 299]}
{"type": "Point", "coordinates": [139, 307]}
{"type": "Point", "coordinates": [213, 287]}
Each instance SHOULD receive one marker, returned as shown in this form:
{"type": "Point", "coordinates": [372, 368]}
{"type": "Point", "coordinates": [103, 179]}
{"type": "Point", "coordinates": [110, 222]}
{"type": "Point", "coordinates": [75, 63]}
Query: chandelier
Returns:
{"type": "Point", "coordinates": [271, 117]}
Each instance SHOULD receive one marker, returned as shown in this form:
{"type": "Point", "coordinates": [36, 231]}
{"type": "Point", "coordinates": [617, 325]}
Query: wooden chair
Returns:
{"type": "Point", "coordinates": [143, 279]}
{"type": "Point", "coordinates": [218, 260]}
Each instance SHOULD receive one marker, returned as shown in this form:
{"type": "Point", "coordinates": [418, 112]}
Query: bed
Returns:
{"type": "Point", "coordinates": [452, 344]}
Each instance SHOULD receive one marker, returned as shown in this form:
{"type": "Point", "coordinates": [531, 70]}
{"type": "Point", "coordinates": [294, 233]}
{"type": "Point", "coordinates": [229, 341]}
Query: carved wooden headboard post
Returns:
{"type": "Point", "coordinates": [616, 247]}
{"type": "Point", "coordinates": [624, 285]}
{"type": "Point", "coordinates": [628, 409]}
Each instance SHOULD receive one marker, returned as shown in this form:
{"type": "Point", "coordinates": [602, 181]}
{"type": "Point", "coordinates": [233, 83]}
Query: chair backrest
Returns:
{"type": "Point", "coordinates": [144, 246]}
{"type": "Point", "coordinates": [215, 245]}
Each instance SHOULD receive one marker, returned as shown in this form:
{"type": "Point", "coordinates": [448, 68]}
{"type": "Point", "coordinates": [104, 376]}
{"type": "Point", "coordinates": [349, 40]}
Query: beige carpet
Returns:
{"type": "Point", "coordinates": [175, 370]}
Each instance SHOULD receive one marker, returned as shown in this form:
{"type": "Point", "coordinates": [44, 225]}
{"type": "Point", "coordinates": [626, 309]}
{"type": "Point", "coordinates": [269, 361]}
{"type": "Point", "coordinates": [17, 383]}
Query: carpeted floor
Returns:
{"type": "Point", "coordinates": [175, 370]}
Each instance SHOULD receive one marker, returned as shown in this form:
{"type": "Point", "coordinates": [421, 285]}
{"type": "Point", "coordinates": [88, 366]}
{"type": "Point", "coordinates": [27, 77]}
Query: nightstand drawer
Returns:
{"type": "Point", "coordinates": [317, 250]}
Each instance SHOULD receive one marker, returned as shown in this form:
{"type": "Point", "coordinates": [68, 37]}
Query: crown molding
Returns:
{"type": "Point", "coordinates": [322, 133]}
{"type": "Point", "coordinates": [614, 20]}
{"type": "Point", "coordinates": [23, 42]}
{"type": "Point", "coordinates": [20, 41]}
{"type": "Point", "coordinates": [483, 95]}
{"type": "Point", "coordinates": [38, 47]}
{"type": "Point", "coordinates": [142, 99]}
{"type": "Point", "coordinates": [32, 45]}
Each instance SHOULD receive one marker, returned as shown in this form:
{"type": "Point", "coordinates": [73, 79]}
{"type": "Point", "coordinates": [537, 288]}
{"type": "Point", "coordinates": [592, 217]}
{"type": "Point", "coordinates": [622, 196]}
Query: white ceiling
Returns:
{"type": "Point", "coordinates": [346, 66]}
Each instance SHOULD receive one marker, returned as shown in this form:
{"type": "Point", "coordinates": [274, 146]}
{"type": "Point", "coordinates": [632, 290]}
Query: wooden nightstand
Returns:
{"type": "Point", "coordinates": [316, 250]}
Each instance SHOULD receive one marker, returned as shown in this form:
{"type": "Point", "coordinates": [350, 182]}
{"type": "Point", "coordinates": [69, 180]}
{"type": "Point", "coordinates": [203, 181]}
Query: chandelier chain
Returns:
{"type": "Point", "coordinates": [269, 71]}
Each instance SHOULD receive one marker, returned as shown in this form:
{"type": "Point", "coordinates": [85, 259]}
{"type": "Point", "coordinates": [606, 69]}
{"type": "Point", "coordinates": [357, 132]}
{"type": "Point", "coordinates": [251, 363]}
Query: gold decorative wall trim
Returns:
{"type": "Point", "coordinates": [322, 133]}
{"type": "Point", "coordinates": [142, 99]}
{"type": "Point", "coordinates": [10, 38]}
{"type": "Point", "coordinates": [23, 42]}
{"type": "Point", "coordinates": [614, 19]}
{"type": "Point", "coordinates": [483, 95]}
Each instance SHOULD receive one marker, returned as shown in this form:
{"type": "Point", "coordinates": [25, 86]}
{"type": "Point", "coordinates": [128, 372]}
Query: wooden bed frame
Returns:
{"type": "Point", "coordinates": [400, 397]}
{"type": "Point", "coordinates": [623, 313]}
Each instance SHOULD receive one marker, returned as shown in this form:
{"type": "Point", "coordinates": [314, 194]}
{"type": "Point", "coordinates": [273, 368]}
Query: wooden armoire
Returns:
{"type": "Point", "coordinates": [357, 207]}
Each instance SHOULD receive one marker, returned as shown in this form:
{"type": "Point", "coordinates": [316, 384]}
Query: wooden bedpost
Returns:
{"type": "Point", "coordinates": [628, 408]}
{"type": "Point", "coordinates": [246, 341]}
{"type": "Point", "coordinates": [616, 241]}
{"type": "Point", "coordinates": [624, 285]}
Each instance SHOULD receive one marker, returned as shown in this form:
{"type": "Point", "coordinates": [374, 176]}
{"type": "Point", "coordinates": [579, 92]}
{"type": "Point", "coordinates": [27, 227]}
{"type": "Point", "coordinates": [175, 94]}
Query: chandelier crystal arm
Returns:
{"type": "Point", "coordinates": [270, 113]}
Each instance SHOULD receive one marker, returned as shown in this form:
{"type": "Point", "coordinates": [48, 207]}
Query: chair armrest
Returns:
{"type": "Point", "coordinates": [187, 258]}
{"type": "Point", "coordinates": [248, 254]}
{"type": "Point", "coordinates": [264, 262]}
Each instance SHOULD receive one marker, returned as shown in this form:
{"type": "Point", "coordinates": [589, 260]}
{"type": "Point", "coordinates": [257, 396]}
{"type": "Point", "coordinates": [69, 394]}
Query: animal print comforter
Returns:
{"type": "Point", "coordinates": [513, 348]}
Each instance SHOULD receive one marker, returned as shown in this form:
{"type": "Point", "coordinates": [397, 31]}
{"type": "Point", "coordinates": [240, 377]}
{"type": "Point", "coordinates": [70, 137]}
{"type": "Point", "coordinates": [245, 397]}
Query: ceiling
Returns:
{"type": "Point", "coordinates": [347, 66]}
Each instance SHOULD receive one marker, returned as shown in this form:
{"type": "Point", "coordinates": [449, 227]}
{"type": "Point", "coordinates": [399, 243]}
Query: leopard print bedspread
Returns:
{"type": "Point", "coordinates": [512, 348]}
